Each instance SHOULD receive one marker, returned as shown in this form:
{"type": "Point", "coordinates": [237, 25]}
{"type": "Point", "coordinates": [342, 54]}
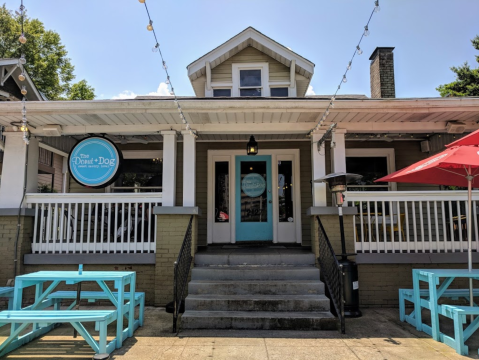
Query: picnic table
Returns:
{"type": "Point", "coordinates": [438, 281]}
{"type": "Point", "coordinates": [44, 320]}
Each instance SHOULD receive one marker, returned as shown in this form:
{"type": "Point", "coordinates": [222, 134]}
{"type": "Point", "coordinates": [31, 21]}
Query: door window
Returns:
{"type": "Point", "coordinates": [254, 191]}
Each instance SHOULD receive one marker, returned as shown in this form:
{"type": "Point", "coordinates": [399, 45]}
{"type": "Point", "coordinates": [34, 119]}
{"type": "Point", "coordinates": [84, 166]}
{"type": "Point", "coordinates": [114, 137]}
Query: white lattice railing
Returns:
{"type": "Point", "coordinates": [413, 221]}
{"type": "Point", "coordinates": [94, 223]}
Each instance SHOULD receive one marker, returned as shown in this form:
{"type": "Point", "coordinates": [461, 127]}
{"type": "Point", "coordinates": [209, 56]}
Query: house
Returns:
{"type": "Point", "coordinates": [50, 159]}
{"type": "Point", "coordinates": [248, 86]}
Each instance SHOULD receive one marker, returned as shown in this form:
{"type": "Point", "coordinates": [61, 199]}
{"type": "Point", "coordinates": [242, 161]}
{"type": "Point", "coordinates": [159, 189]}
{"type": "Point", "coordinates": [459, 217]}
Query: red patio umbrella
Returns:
{"type": "Point", "coordinates": [458, 166]}
{"type": "Point", "coordinates": [471, 139]}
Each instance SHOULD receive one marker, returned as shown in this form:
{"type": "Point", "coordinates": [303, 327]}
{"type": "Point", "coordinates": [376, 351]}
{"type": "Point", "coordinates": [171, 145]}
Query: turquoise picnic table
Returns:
{"type": "Point", "coordinates": [120, 279]}
{"type": "Point", "coordinates": [438, 281]}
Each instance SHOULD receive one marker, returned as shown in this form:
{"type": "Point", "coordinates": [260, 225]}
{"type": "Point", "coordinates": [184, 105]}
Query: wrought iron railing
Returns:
{"type": "Point", "coordinates": [181, 273]}
{"type": "Point", "coordinates": [332, 273]}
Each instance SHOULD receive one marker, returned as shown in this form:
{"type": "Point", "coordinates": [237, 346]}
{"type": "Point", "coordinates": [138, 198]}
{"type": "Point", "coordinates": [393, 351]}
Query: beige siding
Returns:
{"type": "Point", "coordinates": [201, 180]}
{"type": "Point", "coordinates": [223, 72]}
{"type": "Point", "coordinates": [199, 86]}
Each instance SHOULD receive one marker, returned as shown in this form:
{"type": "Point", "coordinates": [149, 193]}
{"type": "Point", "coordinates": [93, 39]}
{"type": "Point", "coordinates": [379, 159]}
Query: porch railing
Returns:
{"type": "Point", "coordinates": [94, 223]}
{"type": "Point", "coordinates": [181, 272]}
{"type": "Point", "coordinates": [413, 221]}
{"type": "Point", "coordinates": [332, 274]}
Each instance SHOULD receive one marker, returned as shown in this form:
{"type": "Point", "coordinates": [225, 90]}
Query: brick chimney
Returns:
{"type": "Point", "coordinates": [382, 73]}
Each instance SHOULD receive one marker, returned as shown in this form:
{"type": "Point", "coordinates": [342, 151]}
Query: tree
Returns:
{"type": "Point", "coordinates": [467, 79]}
{"type": "Point", "coordinates": [81, 91]}
{"type": "Point", "coordinates": [47, 58]}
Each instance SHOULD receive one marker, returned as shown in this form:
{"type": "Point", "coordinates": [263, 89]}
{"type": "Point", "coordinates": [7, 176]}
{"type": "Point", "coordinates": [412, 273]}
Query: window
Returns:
{"type": "Point", "coordinates": [221, 92]}
{"type": "Point", "coordinates": [285, 191]}
{"type": "Point", "coordinates": [250, 82]}
{"type": "Point", "coordinates": [222, 191]}
{"type": "Point", "coordinates": [279, 91]}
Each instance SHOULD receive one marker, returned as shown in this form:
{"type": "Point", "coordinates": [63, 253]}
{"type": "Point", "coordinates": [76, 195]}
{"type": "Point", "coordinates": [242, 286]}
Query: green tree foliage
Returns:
{"type": "Point", "coordinates": [47, 59]}
{"type": "Point", "coordinates": [81, 91]}
{"type": "Point", "coordinates": [467, 79]}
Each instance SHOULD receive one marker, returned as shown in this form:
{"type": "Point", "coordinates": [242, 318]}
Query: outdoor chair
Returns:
{"type": "Point", "coordinates": [392, 221]}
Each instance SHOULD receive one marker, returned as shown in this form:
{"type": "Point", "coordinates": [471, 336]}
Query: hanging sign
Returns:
{"type": "Point", "coordinates": [95, 162]}
{"type": "Point", "coordinates": [253, 185]}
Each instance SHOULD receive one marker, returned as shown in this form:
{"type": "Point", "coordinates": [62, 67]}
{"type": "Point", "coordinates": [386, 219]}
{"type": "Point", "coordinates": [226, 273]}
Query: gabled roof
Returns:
{"type": "Point", "coordinates": [13, 68]}
{"type": "Point", "coordinates": [250, 37]}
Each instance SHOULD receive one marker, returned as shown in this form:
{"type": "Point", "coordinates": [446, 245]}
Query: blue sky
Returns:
{"type": "Point", "coordinates": [110, 47]}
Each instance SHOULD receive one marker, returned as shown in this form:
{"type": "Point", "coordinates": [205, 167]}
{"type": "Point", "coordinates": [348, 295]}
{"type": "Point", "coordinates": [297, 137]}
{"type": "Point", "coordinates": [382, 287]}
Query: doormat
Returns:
{"type": "Point", "coordinates": [253, 244]}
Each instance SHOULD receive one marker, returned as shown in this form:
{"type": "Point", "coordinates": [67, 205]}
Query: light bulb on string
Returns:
{"type": "Point", "coordinates": [24, 111]}
{"type": "Point", "coordinates": [22, 39]}
{"type": "Point", "coordinates": [24, 127]}
{"type": "Point", "coordinates": [376, 6]}
{"type": "Point", "coordinates": [345, 79]}
{"type": "Point", "coordinates": [24, 90]}
{"type": "Point", "coordinates": [331, 104]}
{"type": "Point", "coordinates": [164, 65]}
{"type": "Point", "coordinates": [333, 98]}
{"type": "Point", "coordinates": [149, 27]}
{"type": "Point", "coordinates": [359, 51]}
{"type": "Point", "coordinates": [366, 31]}
{"type": "Point", "coordinates": [22, 76]}
{"type": "Point", "coordinates": [167, 80]}
{"type": "Point", "coordinates": [327, 112]}
{"type": "Point", "coordinates": [141, 1]}
{"type": "Point", "coordinates": [22, 59]}
{"type": "Point", "coordinates": [156, 47]}
{"type": "Point", "coordinates": [349, 65]}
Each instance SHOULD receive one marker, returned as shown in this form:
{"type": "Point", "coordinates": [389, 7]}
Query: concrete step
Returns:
{"type": "Point", "coordinates": [258, 320]}
{"type": "Point", "coordinates": [265, 287]}
{"type": "Point", "coordinates": [255, 273]}
{"type": "Point", "coordinates": [255, 302]}
{"type": "Point", "coordinates": [259, 258]}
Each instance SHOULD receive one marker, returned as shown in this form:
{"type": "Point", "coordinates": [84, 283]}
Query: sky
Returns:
{"type": "Point", "coordinates": [110, 47]}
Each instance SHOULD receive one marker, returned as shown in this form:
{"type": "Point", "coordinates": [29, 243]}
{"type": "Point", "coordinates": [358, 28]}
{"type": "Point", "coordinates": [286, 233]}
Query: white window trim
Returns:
{"type": "Point", "coordinates": [226, 232]}
{"type": "Point", "coordinates": [388, 153]}
{"type": "Point", "coordinates": [275, 85]}
{"type": "Point", "coordinates": [264, 67]}
{"type": "Point", "coordinates": [213, 88]}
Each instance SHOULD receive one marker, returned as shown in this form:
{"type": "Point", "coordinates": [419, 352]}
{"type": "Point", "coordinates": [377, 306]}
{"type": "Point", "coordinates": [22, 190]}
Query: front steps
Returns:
{"type": "Point", "coordinates": [256, 288]}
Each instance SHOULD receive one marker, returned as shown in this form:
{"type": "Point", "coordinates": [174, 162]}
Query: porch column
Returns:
{"type": "Point", "coordinates": [11, 188]}
{"type": "Point", "coordinates": [189, 169]}
{"type": "Point", "coordinates": [318, 166]}
{"type": "Point", "coordinates": [338, 148]}
{"type": "Point", "coordinates": [169, 168]}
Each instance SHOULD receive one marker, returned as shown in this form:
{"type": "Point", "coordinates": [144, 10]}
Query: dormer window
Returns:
{"type": "Point", "coordinates": [251, 79]}
{"type": "Point", "coordinates": [250, 82]}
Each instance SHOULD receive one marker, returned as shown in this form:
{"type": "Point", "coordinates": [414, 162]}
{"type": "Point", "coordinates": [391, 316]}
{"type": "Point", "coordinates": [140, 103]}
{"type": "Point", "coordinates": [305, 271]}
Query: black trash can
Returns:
{"type": "Point", "coordinates": [350, 288]}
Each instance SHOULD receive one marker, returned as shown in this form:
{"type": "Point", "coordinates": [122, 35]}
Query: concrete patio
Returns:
{"type": "Point", "coordinates": [378, 335]}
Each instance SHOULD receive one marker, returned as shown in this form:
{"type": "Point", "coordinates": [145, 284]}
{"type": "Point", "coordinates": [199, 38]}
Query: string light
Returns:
{"type": "Point", "coordinates": [22, 40]}
{"type": "Point", "coordinates": [344, 79]}
{"type": "Point", "coordinates": [157, 48]}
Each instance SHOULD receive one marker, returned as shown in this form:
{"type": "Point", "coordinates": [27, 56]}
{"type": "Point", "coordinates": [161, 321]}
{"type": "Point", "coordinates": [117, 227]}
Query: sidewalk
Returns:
{"type": "Point", "coordinates": [378, 335]}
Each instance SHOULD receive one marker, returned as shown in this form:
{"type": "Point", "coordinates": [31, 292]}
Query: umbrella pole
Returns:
{"type": "Point", "coordinates": [469, 236]}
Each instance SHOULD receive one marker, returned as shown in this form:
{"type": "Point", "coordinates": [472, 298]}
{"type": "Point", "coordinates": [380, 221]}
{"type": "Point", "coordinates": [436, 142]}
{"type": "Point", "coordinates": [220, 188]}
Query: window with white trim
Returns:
{"type": "Point", "coordinates": [251, 79]}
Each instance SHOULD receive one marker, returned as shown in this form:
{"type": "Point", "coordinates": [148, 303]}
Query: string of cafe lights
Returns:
{"type": "Point", "coordinates": [344, 79]}
{"type": "Point", "coordinates": [168, 81]}
{"type": "Point", "coordinates": [22, 61]}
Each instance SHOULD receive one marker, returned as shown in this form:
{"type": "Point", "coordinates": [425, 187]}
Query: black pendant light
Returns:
{"type": "Point", "coordinates": [252, 146]}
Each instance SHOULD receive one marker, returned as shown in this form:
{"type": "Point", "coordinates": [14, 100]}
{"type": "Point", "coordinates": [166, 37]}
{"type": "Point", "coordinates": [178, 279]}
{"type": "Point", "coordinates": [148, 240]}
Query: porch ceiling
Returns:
{"type": "Point", "coordinates": [245, 116]}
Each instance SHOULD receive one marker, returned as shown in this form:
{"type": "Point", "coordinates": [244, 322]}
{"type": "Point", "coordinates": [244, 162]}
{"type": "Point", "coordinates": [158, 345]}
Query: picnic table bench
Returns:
{"type": "Point", "coordinates": [7, 292]}
{"type": "Point", "coordinates": [92, 296]}
{"type": "Point", "coordinates": [458, 314]}
{"type": "Point", "coordinates": [20, 319]}
{"type": "Point", "coordinates": [408, 295]}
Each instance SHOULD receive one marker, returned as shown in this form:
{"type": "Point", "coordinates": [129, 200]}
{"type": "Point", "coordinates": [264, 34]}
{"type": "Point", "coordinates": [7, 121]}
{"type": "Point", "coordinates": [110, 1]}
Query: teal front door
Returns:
{"type": "Point", "coordinates": [254, 218]}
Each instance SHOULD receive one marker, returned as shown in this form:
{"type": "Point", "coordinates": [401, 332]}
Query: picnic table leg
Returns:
{"type": "Point", "coordinates": [17, 301]}
{"type": "Point", "coordinates": [120, 286]}
{"type": "Point", "coordinates": [434, 307]}
{"type": "Point", "coordinates": [131, 314]}
{"type": "Point", "coordinates": [417, 300]}
{"type": "Point", "coordinates": [103, 337]}
{"type": "Point", "coordinates": [460, 347]}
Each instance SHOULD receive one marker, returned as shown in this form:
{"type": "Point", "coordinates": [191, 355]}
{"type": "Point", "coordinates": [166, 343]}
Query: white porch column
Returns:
{"type": "Point", "coordinates": [338, 149]}
{"type": "Point", "coordinates": [169, 168]}
{"type": "Point", "coordinates": [13, 172]}
{"type": "Point", "coordinates": [189, 169]}
{"type": "Point", "coordinates": [66, 176]}
{"type": "Point", "coordinates": [318, 167]}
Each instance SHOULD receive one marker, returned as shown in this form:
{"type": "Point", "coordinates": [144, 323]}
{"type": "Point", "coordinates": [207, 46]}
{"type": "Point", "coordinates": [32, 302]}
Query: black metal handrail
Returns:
{"type": "Point", "coordinates": [181, 273]}
{"type": "Point", "coordinates": [332, 273]}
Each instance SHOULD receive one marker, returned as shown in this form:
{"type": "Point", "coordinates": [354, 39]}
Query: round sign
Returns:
{"type": "Point", "coordinates": [95, 162]}
{"type": "Point", "coordinates": [253, 185]}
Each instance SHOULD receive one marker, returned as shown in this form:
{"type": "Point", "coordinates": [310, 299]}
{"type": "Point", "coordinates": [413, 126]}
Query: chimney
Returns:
{"type": "Point", "coordinates": [382, 73]}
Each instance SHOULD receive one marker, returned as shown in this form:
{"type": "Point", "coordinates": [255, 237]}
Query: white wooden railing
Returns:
{"type": "Point", "coordinates": [414, 221]}
{"type": "Point", "coordinates": [94, 223]}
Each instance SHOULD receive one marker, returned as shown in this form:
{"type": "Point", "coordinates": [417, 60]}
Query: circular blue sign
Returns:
{"type": "Point", "coordinates": [253, 185]}
{"type": "Point", "coordinates": [95, 162]}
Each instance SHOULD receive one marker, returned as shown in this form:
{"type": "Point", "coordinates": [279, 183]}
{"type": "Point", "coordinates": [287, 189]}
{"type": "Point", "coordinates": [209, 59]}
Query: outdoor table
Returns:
{"type": "Point", "coordinates": [433, 279]}
{"type": "Point", "coordinates": [120, 278]}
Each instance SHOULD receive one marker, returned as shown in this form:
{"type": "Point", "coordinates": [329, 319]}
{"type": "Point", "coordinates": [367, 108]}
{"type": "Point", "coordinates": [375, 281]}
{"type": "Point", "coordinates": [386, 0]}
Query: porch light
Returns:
{"type": "Point", "coordinates": [252, 146]}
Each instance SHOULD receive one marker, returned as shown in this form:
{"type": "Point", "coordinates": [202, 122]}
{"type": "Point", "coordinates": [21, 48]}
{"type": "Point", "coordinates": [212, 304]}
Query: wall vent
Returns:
{"type": "Point", "coordinates": [455, 128]}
